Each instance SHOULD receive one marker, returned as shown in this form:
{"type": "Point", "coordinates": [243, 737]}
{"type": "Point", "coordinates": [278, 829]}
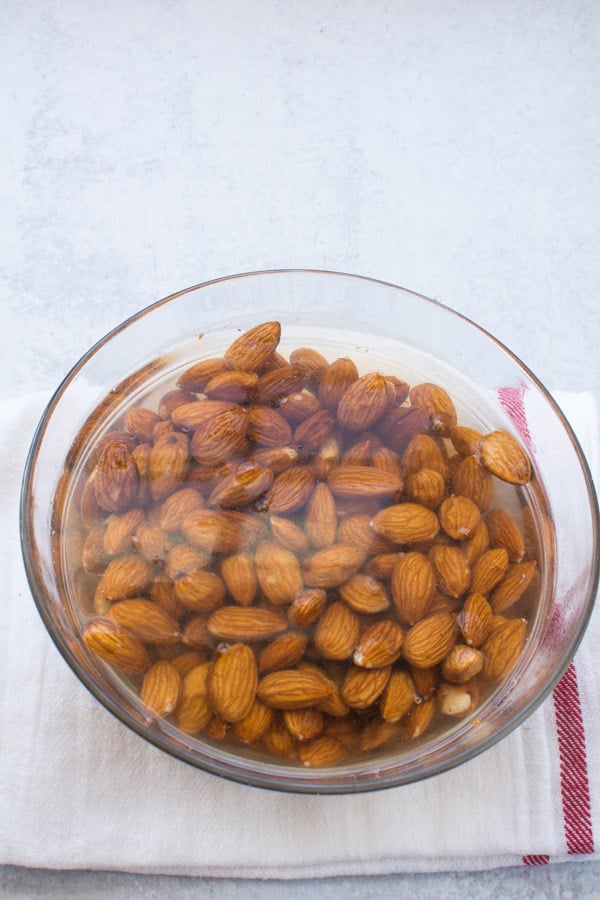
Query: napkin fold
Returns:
{"type": "Point", "coordinates": [78, 790]}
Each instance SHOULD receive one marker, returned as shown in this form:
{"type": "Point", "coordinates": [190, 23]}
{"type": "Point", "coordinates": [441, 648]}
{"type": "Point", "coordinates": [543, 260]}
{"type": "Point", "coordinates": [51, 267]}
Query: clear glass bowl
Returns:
{"type": "Point", "coordinates": [380, 326]}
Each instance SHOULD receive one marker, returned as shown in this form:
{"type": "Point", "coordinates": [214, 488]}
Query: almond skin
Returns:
{"type": "Point", "coordinates": [438, 404]}
{"type": "Point", "coordinates": [502, 649]}
{"type": "Point", "coordinates": [194, 710]}
{"type": "Point", "coordinates": [267, 428]}
{"type": "Point", "coordinates": [288, 534]}
{"type": "Point", "coordinates": [337, 632]}
{"type": "Point", "coordinates": [398, 697]}
{"type": "Point", "coordinates": [314, 431]}
{"type": "Point", "coordinates": [321, 517]}
{"type": "Point", "coordinates": [322, 752]}
{"type": "Point", "coordinates": [489, 570]}
{"type": "Point", "coordinates": [242, 487]}
{"type": "Point", "coordinates": [141, 423]}
{"type": "Point", "coordinates": [429, 641]}
{"type": "Point", "coordinates": [177, 506]}
{"type": "Point", "coordinates": [272, 386]}
{"type": "Point", "coordinates": [513, 585]}
{"type": "Point", "coordinates": [362, 687]}
{"type": "Point", "coordinates": [307, 607]}
{"type": "Point", "coordinates": [278, 573]}
{"type": "Point", "coordinates": [452, 570]}
{"type": "Point", "coordinates": [289, 492]}
{"type": "Point", "coordinates": [235, 387]}
{"type": "Point", "coordinates": [379, 645]}
{"type": "Point", "coordinates": [426, 487]}
{"type": "Point", "coordinates": [505, 533]}
{"type": "Point", "coordinates": [238, 571]}
{"type": "Point", "coordinates": [459, 517]}
{"type": "Point", "coordinates": [221, 437]}
{"type": "Point", "coordinates": [126, 576]}
{"type": "Point", "coordinates": [232, 683]}
{"type": "Point", "coordinates": [160, 688]}
{"type": "Point", "coordinates": [333, 566]}
{"type": "Point", "coordinates": [212, 530]}
{"type": "Point", "coordinates": [251, 350]}
{"type": "Point", "coordinates": [115, 645]}
{"type": "Point", "coordinates": [254, 724]}
{"type": "Point", "coordinates": [423, 452]}
{"type": "Point", "coordinates": [363, 481]}
{"type": "Point", "coordinates": [335, 381]}
{"type": "Point", "coordinates": [412, 586]}
{"type": "Point", "coordinates": [116, 478]}
{"type": "Point", "coordinates": [472, 480]}
{"type": "Point", "coordinates": [365, 594]}
{"type": "Point", "coordinates": [406, 523]}
{"type": "Point", "coordinates": [462, 664]}
{"type": "Point", "coordinates": [475, 619]}
{"type": "Point", "coordinates": [197, 376]}
{"type": "Point", "coordinates": [238, 623]}
{"type": "Point", "coordinates": [168, 464]}
{"type": "Point", "coordinates": [304, 724]}
{"type": "Point", "coordinates": [282, 652]}
{"type": "Point", "coordinates": [146, 621]}
{"type": "Point", "coordinates": [200, 591]}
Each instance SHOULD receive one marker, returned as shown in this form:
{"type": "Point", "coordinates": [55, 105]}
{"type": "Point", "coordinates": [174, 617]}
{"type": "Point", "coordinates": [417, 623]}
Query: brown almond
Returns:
{"type": "Point", "coordinates": [376, 733]}
{"type": "Point", "coordinates": [321, 517]}
{"type": "Point", "coordinates": [145, 620]}
{"type": "Point", "coordinates": [93, 554]}
{"type": "Point", "coordinates": [314, 431]}
{"type": "Point", "coordinates": [459, 517]}
{"type": "Point", "coordinates": [398, 697]}
{"type": "Point", "coordinates": [333, 565]}
{"type": "Point", "coordinates": [274, 385]}
{"type": "Point", "coordinates": [160, 688]}
{"type": "Point", "coordinates": [152, 543]}
{"type": "Point", "coordinates": [505, 533]}
{"type": "Point", "coordinates": [423, 452]}
{"type": "Point", "coordinates": [235, 387]}
{"type": "Point", "coordinates": [438, 404]}
{"type": "Point", "coordinates": [252, 727]}
{"type": "Point", "coordinates": [240, 623]}
{"type": "Point", "coordinates": [168, 464]}
{"type": "Point", "coordinates": [335, 381]}
{"type": "Point", "coordinates": [356, 530]}
{"type": "Point", "coordinates": [327, 456]}
{"type": "Point", "coordinates": [406, 523]}
{"type": "Point", "coordinates": [238, 571]}
{"type": "Point", "coordinates": [462, 664]}
{"type": "Point", "coordinates": [513, 585]}
{"type": "Point", "coordinates": [322, 752]}
{"type": "Point", "coordinates": [126, 576]}
{"type": "Point", "coordinates": [413, 586]}
{"type": "Point", "coordinates": [186, 661]}
{"type": "Point", "coordinates": [212, 530]}
{"type": "Point", "coordinates": [222, 436]}
{"type": "Point", "coordinates": [251, 350]}
{"type": "Point", "coordinates": [289, 492]}
{"type": "Point", "coordinates": [426, 487]}
{"type": "Point", "coordinates": [232, 683]}
{"type": "Point", "coordinates": [172, 399]}
{"type": "Point", "coordinates": [119, 531]}
{"type": "Point", "coordinates": [288, 534]}
{"type": "Point", "coordinates": [363, 402]}
{"type": "Point", "coordinates": [363, 481]}
{"type": "Point", "coordinates": [278, 741]}
{"type": "Point", "coordinates": [177, 506]}
{"type": "Point", "coordinates": [466, 440]}
{"type": "Point", "coordinates": [472, 480]}
{"type": "Point", "coordinates": [505, 458]}
{"type": "Point", "coordinates": [313, 363]}
{"type": "Point", "coordinates": [116, 646]}
{"type": "Point", "coordinates": [298, 406]}
{"type": "Point", "coordinates": [116, 479]}
{"type": "Point", "coordinates": [362, 687]}
{"type": "Point", "coordinates": [418, 719]}
{"type": "Point", "coordinates": [379, 645]}
{"type": "Point", "coordinates": [183, 559]}
{"type": "Point", "coordinates": [293, 689]}
{"type": "Point", "coordinates": [282, 652]}
{"type": "Point", "coordinates": [242, 487]}
{"type": "Point", "coordinates": [196, 633]}
{"type": "Point", "coordinates": [475, 620]}
{"type": "Point", "coordinates": [477, 544]}
{"type": "Point", "coordinates": [382, 565]}
{"type": "Point", "coordinates": [267, 428]}
{"type": "Point", "coordinates": [278, 573]}
{"type": "Point", "coordinates": [190, 416]}
{"type": "Point", "coordinates": [365, 594]}
{"type": "Point", "coordinates": [489, 570]}
{"type": "Point", "coordinates": [197, 376]}
{"type": "Point", "coordinates": [141, 422]}
{"type": "Point", "coordinates": [307, 607]}
{"type": "Point", "coordinates": [502, 649]}
{"type": "Point", "coordinates": [401, 423]}
{"type": "Point", "coordinates": [304, 724]}
{"type": "Point", "coordinates": [452, 570]}
{"type": "Point", "coordinates": [200, 591]}
{"type": "Point", "coordinates": [194, 710]}
{"type": "Point", "coordinates": [337, 632]}
{"type": "Point", "coordinates": [275, 458]}
{"type": "Point", "coordinates": [429, 641]}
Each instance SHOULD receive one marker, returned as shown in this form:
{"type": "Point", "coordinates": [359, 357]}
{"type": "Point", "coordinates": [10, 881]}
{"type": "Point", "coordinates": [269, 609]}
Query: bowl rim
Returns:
{"type": "Point", "coordinates": [313, 781]}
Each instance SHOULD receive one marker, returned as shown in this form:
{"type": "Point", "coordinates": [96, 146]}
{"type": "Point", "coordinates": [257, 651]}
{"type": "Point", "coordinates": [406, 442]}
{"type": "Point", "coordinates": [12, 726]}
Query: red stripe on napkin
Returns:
{"type": "Point", "coordinates": [536, 859]}
{"type": "Point", "coordinates": [574, 782]}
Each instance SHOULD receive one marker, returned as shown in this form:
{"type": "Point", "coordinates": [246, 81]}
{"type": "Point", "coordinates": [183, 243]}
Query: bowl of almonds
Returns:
{"type": "Point", "coordinates": [310, 531]}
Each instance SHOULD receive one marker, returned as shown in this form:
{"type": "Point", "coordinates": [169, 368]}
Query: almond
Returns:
{"type": "Point", "coordinates": [267, 428]}
{"type": "Point", "coordinates": [177, 506]}
{"type": "Point", "coordinates": [239, 623]}
{"type": "Point", "coordinates": [235, 387]}
{"type": "Point", "coordinates": [503, 455]}
{"type": "Point", "coordinates": [221, 437]}
{"type": "Point", "coordinates": [477, 544]}
{"type": "Point", "coordinates": [145, 620]}
{"type": "Point", "coordinates": [298, 406]}
{"type": "Point", "coordinates": [413, 587]}
{"type": "Point", "coordinates": [242, 487]}
{"type": "Point", "coordinates": [307, 607]}
{"type": "Point", "coordinates": [467, 441]}
{"type": "Point", "coordinates": [313, 363]}
{"type": "Point", "coordinates": [452, 570]}
{"type": "Point", "coordinates": [502, 649]}
{"type": "Point", "coordinates": [363, 402]}
{"type": "Point", "coordinates": [327, 456]}
{"type": "Point", "coordinates": [322, 752]}
{"type": "Point", "coordinates": [278, 740]}
{"type": "Point", "coordinates": [505, 533]}
{"type": "Point", "coordinates": [193, 710]}
{"type": "Point", "coordinates": [186, 661]}
{"type": "Point", "coordinates": [462, 664]}
{"type": "Point", "coordinates": [457, 700]}
{"type": "Point", "coordinates": [406, 523]}
{"type": "Point", "coordinates": [278, 573]}
{"type": "Point", "coordinates": [401, 423]}
{"type": "Point", "coordinates": [119, 531]}
{"type": "Point", "coordinates": [251, 350]}
{"type": "Point", "coordinates": [275, 458]}
{"type": "Point", "coordinates": [362, 687]}
{"type": "Point", "coordinates": [200, 591]}
{"type": "Point", "coordinates": [196, 633]}
{"type": "Point", "coordinates": [337, 632]}
{"type": "Point", "coordinates": [379, 645]}
{"type": "Point", "coordinates": [116, 479]}
{"type": "Point", "coordinates": [418, 719]}
{"type": "Point", "coordinates": [475, 620]}
{"type": "Point", "coordinates": [282, 652]}
{"type": "Point", "coordinates": [232, 683]}
{"type": "Point", "coordinates": [438, 404]}
{"type": "Point", "coordinates": [429, 641]}
{"type": "Point", "coordinates": [168, 464]}
{"type": "Point", "coordinates": [254, 724]}
{"type": "Point", "coordinates": [141, 422]}
{"type": "Point", "coordinates": [152, 543]}
{"type": "Point", "coordinates": [335, 381]}
{"type": "Point", "coordinates": [513, 585]}
{"type": "Point", "coordinates": [304, 724]}
{"type": "Point", "coordinates": [365, 594]}
{"type": "Point", "coordinates": [293, 689]}
{"type": "Point", "coordinates": [288, 534]}
{"type": "Point", "coordinates": [426, 680]}
{"type": "Point", "coordinates": [426, 487]}
{"type": "Point", "coordinates": [272, 386]}
{"type": "Point", "coordinates": [126, 576]}
{"type": "Point", "coordinates": [160, 688]}
{"type": "Point", "coordinates": [382, 565]}
{"type": "Point", "coordinates": [238, 571]}
{"type": "Point", "coordinates": [489, 570]}
{"type": "Point", "coordinates": [183, 559]}
{"type": "Point", "coordinates": [289, 492]}
{"type": "Point", "coordinates": [197, 376]}
{"type": "Point", "coordinates": [212, 530]}
{"type": "Point", "coordinates": [363, 481]}
{"type": "Point", "coordinates": [321, 517]}
{"type": "Point", "coordinates": [116, 646]}
{"type": "Point", "coordinates": [198, 413]}
{"type": "Point", "coordinates": [459, 517]}
{"type": "Point", "coordinates": [333, 565]}
{"type": "Point", "coordinates": [313, 432]}
{"type": "Point", "coordinates": [93, 553]}
{"type": "Point", "coordinates": [398, 696]}
{"type": "Point", "coordinates": [472, 480]}
{"type": "Point", "coordinates": [423, 452]}
{"type": "Point", "coordinates": [356, 530]}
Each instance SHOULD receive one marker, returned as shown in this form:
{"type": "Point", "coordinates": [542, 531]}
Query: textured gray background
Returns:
{"type": "Point", "coordinates": [451, 147]}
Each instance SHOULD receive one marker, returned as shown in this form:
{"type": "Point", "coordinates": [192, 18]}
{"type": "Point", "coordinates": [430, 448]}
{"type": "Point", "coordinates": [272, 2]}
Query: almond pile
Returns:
{"type": "Point", "coordinates": [289, 554]}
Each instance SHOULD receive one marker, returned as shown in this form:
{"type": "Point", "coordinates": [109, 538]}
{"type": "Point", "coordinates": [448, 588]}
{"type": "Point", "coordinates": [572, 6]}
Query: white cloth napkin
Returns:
{"type": "Point", "coordinates": [79, 790]}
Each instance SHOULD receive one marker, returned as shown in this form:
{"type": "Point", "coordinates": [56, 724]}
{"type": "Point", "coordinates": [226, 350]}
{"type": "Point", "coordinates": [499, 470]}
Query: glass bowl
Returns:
{"type": "Point", "coordinates": [382, 328]}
